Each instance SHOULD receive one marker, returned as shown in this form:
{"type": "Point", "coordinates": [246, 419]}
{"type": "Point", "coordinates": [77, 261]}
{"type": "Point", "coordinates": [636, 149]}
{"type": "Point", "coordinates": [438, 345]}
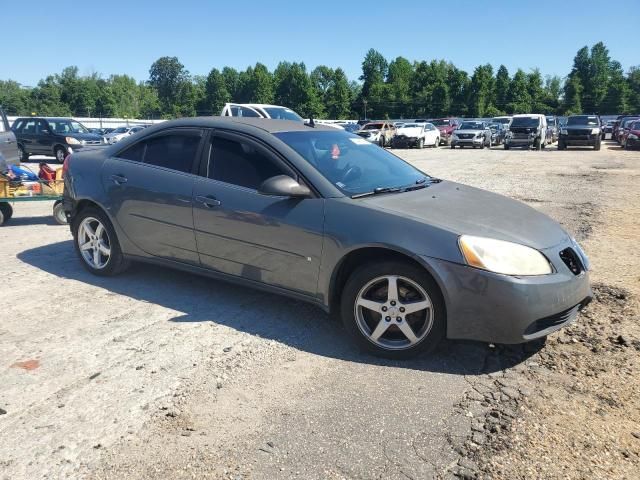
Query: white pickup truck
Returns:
{"type": "Point", "coordinates": [259, 110]}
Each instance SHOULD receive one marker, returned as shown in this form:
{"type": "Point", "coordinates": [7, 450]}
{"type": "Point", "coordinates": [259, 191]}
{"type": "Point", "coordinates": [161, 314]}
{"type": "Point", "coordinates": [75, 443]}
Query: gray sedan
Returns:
{"type": "Point", "coordinates": [324, 216]}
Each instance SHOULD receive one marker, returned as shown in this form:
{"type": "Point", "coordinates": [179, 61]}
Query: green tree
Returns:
{"type": "Point", "coordinates": [536, 92]}
{"type": "Point", "coordinates": [374, 73]}
{"type": "Point", "coordinates": [231, 81]}
{"type": "Point", "coordinates": [519, 99]}
{"type": "Point", "coordinates": [616, 99]}
{"type": "Point", "coordinates": [260, 85]}
{"type": "Point", "coordinates": [633, 82]}
{"type": "Point", "coordinates": [552, 92]}
{"type": "Point", "coordinates": [481, 90]}
{"type": "Point", "coordinates": [216, 92]}
{"type": "Point", "coordinates": [293, 89]}
{"type": "Point", "coordinates": [572, 95]}
{"type": "Point", "coordinates": [339, 96]}
{"type": "Point", "coordinates": [13, 98]}
{"type": "Point", "coordinates": [46, 98]}
{"type": "Point", "coordinates": [399, 78]}
{"type": "Point", "coordinates": [502, 88]}
{"type": "Point", "coordinates": [458, 81]}
{"type": "Point", "coordinates": [171, 80]}
{"type": "Point", "coordinates": [599, 73]}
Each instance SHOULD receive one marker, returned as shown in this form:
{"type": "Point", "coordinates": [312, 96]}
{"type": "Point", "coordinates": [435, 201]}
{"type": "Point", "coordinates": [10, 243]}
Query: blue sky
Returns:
{"type": "Point", "coordinates": [42, 37]}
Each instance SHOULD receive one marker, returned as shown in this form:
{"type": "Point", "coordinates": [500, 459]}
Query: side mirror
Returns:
{"type": "Point", "coordinates": [283, 186]}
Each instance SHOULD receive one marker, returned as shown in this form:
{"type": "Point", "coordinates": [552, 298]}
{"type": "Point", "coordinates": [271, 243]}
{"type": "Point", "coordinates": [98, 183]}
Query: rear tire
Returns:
{"type": "Point", "coordinates": [93, 218]}
{"type": "Point", "coordinates": [6, 210]}
{"type": "Point", "coordinates": [370, 284]}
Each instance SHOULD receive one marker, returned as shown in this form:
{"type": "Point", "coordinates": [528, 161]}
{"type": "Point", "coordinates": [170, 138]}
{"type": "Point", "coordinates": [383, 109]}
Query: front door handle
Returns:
{"type": "Point", "coordinates": [119, 179]}
{"type": "Point", "coordinates": [208, 201]}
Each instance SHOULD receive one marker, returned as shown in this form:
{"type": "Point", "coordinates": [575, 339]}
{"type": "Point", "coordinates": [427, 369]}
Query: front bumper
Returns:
{"type": "Point", "coordinates": [519, 142]}
{"type": "Point", "coordinates": [495, 308]}
{"type": "Point", "coordinates": [580, 140]}
{"type": "Point", "coordinates": [403, 142]}
{"type": "Point", "coordinates": [475, 141]}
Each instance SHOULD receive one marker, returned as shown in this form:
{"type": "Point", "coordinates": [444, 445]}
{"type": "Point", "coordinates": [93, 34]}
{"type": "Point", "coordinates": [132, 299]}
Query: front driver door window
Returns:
{"type": "Point", "coordinates": [273, 240]}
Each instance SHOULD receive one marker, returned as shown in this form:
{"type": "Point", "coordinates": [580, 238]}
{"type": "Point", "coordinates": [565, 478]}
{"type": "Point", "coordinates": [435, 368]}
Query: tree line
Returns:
{"type": "Point", "coordinates": [386, 89]}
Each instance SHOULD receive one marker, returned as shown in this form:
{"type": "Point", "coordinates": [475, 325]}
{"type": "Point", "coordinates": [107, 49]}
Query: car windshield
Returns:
{"type": "Point", "coordinates": [626, 123]}
{"type": "Point", "coordinates": [495, 126]}
{"type": "Point", "coordinates": [525, 122]}
{"type": "Point", "coordinates": [440, 123]}
{"type": "Point", "coordinates": [550, 119]}
{"type": "Point", "coordinates": [352, 164]}
{"type": "Point", "coordinates": [281, 113]}
{"type": "Point", "coordinates": [67, 126]}
{"type": "Point", "coordinates": [372, 126]}
{"type": "Point", "coordinates": [501, 120]}
{"type": "Point", "coordinates": [635, 125]}
{"type": "Point", "coordinates": [121, 130]}
{"type": "Point", "coordinates": [412, 125]}
{"type": "Point", "coordinates": [471, 126]}
{"type": "Point", "coordinates": [583, 120]}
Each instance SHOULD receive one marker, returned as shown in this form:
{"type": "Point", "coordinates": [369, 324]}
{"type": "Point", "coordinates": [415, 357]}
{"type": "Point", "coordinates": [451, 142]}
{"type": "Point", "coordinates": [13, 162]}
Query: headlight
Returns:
{"type": "Point", "coordinates": [563, 131]}
{"type": "Point", "coordinates": [72, 141]}
{"type": "Point", "coordinates": [479, 134]}
{"type": "Point", "coordinates": [503, 257]}
{"type": "Point", "coordinates": [594, 131]}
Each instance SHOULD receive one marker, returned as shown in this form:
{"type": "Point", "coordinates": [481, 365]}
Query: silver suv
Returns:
{"type": "Point", "coordinates": [8, 144]}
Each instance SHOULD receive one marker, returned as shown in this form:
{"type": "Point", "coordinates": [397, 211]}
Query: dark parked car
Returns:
{"type": "Point", "coordinates": [629, 138]}
{"type": "Point", "coordinates": [52, 136]}
{"type": "Point", "coordinates": [446, 126]}
{"type": "Point", "coordinates": [8, 146]}
{"type": "Point", "coordinates": [581, 130]}
{"type": "Point", "coordinates": [623, 128]}
{"type": "Point", "coordinates": [324, 216]}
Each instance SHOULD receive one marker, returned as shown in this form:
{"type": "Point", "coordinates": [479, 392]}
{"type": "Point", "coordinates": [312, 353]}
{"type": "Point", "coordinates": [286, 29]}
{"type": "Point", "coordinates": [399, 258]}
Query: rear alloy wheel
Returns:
{"type": "Point", "coordinates": [393, 309]}
{"type": "Point", "coordinates": [96, 243]}
{"type": "Point", "coordinates": [60, 153]}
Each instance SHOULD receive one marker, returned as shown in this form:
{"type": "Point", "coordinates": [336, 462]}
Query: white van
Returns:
{"type": "Point", "coordinates": [528, 130]}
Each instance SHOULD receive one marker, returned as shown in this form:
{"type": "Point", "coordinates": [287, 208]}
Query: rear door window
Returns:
{"type": "Point", "coordinates": [176, 151]}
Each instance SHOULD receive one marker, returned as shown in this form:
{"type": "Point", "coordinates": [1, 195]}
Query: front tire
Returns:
{"type": "Point", "coordinates": [421, 144]}
{"type": "Point", "coordinates": [437, 143]}
{"type": "Point", "coordinates": [393, 309]}
{"type": "Point", "coordinates": [597, 146]}
{"type": "Point", "coordinates": [96, 243]}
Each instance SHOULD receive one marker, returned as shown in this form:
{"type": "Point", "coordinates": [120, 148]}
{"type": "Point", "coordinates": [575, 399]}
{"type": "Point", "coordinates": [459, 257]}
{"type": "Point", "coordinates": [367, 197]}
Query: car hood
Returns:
{"type": "Point", "coordinates": [475, 132]}
{"type": "Point", "coordinates": [465, 210]}
{"type": "Point", "coordinates": [113, 135]}
{"type": "Point", "coordinates": [410, 132]}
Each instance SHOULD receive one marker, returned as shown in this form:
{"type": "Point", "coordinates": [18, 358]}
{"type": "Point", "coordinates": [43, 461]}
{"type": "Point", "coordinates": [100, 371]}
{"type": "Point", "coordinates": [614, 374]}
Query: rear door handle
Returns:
{"type": "Point", "coordinates": [208, 201]}
{"type": "Point", "coordinates": [119, 179]}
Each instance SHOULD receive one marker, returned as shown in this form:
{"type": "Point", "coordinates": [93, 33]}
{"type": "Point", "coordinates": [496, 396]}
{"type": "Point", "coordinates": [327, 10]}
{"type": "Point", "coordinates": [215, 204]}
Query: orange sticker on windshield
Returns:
{"type": "Point", "coordinates": [335, 152]}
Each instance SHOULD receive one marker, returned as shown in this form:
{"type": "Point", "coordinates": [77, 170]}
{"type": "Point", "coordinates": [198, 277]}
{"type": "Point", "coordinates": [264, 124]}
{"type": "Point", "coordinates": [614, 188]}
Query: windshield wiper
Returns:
{"type": "Point", "coordinates": [419, 184]}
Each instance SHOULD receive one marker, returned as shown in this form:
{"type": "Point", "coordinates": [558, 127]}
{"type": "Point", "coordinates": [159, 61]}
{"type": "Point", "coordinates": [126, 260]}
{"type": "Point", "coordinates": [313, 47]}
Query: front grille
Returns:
{"type": "Point", "coordinates": [93, 142]}
{"type": "Point", "coordinates": [556, 320]}
{"type": "Point", "coordinates": [521, 136]}
{"type": "Point", "coordinates": [466, 136]}
{"type": "Point", "coordinates": [572, 261]}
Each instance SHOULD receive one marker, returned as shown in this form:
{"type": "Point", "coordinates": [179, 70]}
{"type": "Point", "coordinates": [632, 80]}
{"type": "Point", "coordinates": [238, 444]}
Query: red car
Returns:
{"type": "Point", "coordinates": [630, 138]}
{"type": "Point", "coordinates": [446, 127]}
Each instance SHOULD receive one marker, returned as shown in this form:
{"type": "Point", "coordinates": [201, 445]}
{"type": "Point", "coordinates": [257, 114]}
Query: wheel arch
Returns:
{"type": "Point", "coordinates": [374, 253]}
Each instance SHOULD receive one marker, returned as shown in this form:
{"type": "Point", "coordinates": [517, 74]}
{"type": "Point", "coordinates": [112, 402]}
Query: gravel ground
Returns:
{"type": "Point", "coordinates": [161, 374]}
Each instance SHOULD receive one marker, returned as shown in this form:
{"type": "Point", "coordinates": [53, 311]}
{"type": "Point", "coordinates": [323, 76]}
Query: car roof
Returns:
{"type": "Point", "coordinates": [45, 118]}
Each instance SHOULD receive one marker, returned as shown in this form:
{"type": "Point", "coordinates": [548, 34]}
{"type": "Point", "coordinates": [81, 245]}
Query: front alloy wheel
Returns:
{"type": "Point", "coordinates": [393, 309]}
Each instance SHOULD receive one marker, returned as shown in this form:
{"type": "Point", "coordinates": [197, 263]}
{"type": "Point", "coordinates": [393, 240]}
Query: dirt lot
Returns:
{"type": "Point", "coordinates": [159, 374]}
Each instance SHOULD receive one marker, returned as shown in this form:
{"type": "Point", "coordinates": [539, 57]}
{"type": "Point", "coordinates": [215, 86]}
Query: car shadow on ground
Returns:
{"type": "Point", "coordinates": [294, 323]}
{"type": "Point", "coordinates": [39, 220]}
